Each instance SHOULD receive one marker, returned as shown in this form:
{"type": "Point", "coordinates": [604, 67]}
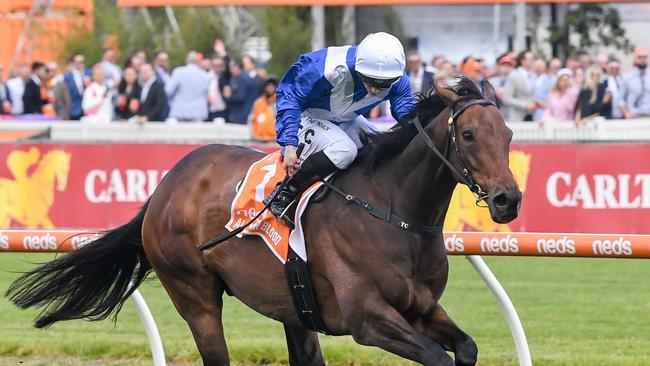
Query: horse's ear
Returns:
{"type": "Point", "coordinates": [448, 96]}
{"type": "Point", "coordinates": [488, 91]}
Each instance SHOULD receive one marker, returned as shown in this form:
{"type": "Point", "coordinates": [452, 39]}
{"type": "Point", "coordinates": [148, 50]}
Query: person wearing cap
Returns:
{"type": "Point", "coordinates": [321, 101]}
{"type": "Point", "coordinates": [472, 69]}
{"type": "Point", "coordinates": [505, 63]}
{"type": "Point", "coordinates": [562, 98]}
{"type": "Point", "coordinates": [634, 93]}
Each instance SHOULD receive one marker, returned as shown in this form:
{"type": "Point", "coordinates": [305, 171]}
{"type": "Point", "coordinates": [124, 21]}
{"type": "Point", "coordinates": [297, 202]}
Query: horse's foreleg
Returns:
{"type": "Point", "coordinates": [439, 327]}
{"type": "Point", "coordinates": [304, 349]}
{"type": "Point", "coordinates": [381, 325]}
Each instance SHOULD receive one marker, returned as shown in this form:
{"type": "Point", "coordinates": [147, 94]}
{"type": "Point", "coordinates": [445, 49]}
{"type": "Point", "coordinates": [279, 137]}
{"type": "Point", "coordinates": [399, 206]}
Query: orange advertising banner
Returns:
{"type": "Point", "coordinates": [157, 3]}
{"type": "Point", "coordinates": [456, 243]}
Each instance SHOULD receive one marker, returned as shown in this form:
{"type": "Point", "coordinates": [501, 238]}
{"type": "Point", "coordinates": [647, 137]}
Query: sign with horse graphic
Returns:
{"type": "Point", "coordinates": [27, 196]}
{"type": "Point", "coordinates": [583, 186]}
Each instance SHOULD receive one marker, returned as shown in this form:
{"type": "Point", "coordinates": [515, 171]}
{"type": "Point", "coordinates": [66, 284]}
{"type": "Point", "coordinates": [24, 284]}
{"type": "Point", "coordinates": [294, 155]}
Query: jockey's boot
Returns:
{"type": "Point", "coordinates": [316, 167]}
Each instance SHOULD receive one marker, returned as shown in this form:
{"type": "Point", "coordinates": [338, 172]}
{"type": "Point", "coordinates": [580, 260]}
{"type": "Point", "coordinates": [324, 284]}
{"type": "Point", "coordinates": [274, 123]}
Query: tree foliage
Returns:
{"type": "Point", "coordinates": [588, 27]}
{"type": "Point", "coordinates": [289, 32]}
{"type": "Point", "coordinates": [198, 30]}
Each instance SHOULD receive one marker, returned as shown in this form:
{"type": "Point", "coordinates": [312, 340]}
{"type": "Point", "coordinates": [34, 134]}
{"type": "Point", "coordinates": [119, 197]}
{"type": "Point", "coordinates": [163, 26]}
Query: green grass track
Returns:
{"type": "Point", "coordinates": [574, 311]}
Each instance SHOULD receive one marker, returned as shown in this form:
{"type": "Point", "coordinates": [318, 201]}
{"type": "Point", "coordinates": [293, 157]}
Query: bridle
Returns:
{"type": "Point", "coordinates": [464, 176]}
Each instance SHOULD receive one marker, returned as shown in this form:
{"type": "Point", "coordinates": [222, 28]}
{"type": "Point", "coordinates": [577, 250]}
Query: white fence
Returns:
{"type": "Point", "coordinates": [637, 130]}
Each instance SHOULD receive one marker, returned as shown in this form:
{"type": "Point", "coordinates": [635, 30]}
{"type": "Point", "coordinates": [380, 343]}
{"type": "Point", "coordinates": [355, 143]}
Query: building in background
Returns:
{"type": "Point", "coordinates": [40, 27]}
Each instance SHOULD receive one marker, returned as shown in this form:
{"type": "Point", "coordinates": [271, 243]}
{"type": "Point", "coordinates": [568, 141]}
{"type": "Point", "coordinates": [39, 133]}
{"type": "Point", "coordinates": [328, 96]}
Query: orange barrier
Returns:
{"type": "Point", "coordinates": [38, 241]}
{"type": "Point", "coordinates": [456, 243]}
{"type": "Point", "coordinates": [548, 244]}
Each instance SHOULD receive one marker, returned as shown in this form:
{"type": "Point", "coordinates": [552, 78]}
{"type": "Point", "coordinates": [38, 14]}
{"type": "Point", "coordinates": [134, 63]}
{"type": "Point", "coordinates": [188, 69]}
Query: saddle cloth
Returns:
{"type": "Point", "coordinates": [259, 182]}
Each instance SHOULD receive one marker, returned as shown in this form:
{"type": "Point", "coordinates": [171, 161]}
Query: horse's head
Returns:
{"type": "Point", "coordinates": [482, 142]}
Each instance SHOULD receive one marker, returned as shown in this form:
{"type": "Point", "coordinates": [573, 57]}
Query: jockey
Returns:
{"type": "Point", "coordinates": [321, 101]}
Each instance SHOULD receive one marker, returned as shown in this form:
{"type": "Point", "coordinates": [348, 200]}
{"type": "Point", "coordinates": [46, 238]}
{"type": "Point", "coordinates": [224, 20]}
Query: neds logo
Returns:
{"type": "Point", "coordinates": [454, 244]}
{"type": "Point", "coordinates": [507, 244]}
{"type": "Point", "coordinates": [4, 241]}
{"type": "Point", "coordinates": [79, 241]}
{"type": "Point", "coordinates": [619, 246]}
{"type": "Point", "coordinates": [40, 242]}
{"type": "Point", "coordinates": [562, 245]}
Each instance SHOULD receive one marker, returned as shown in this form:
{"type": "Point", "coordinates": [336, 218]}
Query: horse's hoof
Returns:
{"type": "Point", "coordinates": [466, 352]}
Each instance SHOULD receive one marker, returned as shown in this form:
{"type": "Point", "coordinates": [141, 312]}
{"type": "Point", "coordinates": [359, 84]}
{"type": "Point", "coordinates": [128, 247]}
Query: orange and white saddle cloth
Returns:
{"type": "Point", "coordinates": [259, 182]}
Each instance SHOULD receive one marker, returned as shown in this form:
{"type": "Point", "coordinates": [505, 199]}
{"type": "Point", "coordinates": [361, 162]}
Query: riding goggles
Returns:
{"type": "Point", "coordinates": [378, 83]}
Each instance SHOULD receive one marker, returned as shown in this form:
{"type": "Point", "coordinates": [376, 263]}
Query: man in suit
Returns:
{"type": "Point", "coordinates": [240, 94]}
{"type": "Point", "coordinates": [5, 96]}
{"type": "Point", "coordinates": [188, 91]}
{"type": "Point", "coordinates": [519, 89]}
{"type": "Point", "coordinates": [153, 100]}
{"type": "Point", "coordinates": [634, 93]}
{"type": "Point", "coordinates": [74, 79]}
{"type": "Point", "coordinates": [421, 80]}
{"type": "Point", "coordinates": [161, 65]}
{"type": "Point", "coordinates": [33, 99]}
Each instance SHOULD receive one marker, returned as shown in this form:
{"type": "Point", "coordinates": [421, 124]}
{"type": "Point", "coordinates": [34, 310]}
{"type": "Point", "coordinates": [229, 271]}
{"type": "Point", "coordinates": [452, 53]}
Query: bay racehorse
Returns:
{"type": "Point", "coordinates": [373, 280]}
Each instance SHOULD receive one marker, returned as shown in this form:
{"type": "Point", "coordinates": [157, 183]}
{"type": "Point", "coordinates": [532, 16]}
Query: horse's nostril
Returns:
{"type": "Point", "coordinates": [501, 200]}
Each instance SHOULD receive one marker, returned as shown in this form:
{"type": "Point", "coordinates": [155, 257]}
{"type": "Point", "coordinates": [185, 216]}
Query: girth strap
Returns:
{"type": "Point", "coordinates": [386, 216]}
{"type": "Point", "coordinates": [302, 293]}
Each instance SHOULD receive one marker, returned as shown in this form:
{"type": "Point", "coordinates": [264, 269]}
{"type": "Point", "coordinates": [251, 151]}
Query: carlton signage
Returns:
{"type": "Point", "coordinates": [567, 188]}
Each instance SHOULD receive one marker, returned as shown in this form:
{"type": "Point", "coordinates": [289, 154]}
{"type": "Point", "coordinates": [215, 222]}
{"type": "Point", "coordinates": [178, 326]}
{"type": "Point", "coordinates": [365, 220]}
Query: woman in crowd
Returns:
{"type": "Point", "coordinates": [594, 99]}
{"type": "Point", "coordinates": [128, 95]}
{"type": "Point", "coordinates": [562, 98]}
{"type": "Point", "coordinates": [97, 100]}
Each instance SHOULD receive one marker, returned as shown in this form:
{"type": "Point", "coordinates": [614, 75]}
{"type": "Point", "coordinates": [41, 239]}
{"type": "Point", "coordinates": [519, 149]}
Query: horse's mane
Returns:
{"type": "Point", "coordinates": [380, 147]}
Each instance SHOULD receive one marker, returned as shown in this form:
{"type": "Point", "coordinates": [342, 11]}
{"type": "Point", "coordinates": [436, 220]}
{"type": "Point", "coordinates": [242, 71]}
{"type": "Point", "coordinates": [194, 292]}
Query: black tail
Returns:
{"type": "Point", "coordinates": [90, 282]}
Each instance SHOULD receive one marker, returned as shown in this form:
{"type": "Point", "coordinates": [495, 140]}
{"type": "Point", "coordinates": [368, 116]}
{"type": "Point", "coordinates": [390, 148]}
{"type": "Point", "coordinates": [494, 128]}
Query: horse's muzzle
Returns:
{"type": "Point", "coordinates": [504, 207]}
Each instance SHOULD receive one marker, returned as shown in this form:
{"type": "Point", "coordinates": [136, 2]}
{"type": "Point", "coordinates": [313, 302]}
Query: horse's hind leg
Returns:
{"type": "Point", "coordinates": [439, 327]}
{"type": "Point", "coordinates": [195, 291]}
{"type": "Point", "coordinates": [304, 349]}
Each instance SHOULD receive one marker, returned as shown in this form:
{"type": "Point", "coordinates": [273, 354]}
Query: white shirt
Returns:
{"type": "Point", "coordinates": [97, 104]}
{"type": "Point", "coordinates": [217, 104]}
{"type": "Point", "coordinates": [529, 78]}
{"type": "Point", "coordinates": [145, 89]}
{"type": "Point", "coordinates": [16, 88]}
{"type": "Point", "coordinates": [613, 84]}
{"type": "Point", "coordinates": [416, 80]}
{"type": "Point", "coordinates": [78, 80]}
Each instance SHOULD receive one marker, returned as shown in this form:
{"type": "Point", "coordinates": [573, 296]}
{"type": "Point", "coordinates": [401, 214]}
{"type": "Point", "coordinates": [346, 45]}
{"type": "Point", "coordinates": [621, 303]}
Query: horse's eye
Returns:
{"type": "Point", "coordinates": [468, 136]}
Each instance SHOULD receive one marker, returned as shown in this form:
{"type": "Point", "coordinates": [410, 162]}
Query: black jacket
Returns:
{"type": "Point", "coordinates": [155, 105]}
{"type": "Point", "coordinates": [32, 102]}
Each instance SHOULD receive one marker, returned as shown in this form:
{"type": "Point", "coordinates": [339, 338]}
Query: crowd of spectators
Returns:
{"type": "Point", "coordinates": [217, 88]}
{"type": "Point", "coordinates": [533, 89]}
{"type": "Point", "coordinates": [234, 90]}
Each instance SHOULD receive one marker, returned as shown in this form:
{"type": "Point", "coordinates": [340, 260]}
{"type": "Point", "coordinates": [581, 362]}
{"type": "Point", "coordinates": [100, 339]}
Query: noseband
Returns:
{"type": "Point", "coordinates": [464, 176]}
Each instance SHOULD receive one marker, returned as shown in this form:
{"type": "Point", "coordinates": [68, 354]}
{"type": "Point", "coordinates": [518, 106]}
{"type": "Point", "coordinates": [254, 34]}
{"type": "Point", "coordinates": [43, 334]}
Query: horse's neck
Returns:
{"type": "Point", "coordinates": [424, 185]}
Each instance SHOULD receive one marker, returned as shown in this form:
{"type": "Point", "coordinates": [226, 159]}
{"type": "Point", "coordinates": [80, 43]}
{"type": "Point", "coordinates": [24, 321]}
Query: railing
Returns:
{"type": "Point", "coordinates": [470, 244]}
{"type": "Point", "coordinates": [598, 130]}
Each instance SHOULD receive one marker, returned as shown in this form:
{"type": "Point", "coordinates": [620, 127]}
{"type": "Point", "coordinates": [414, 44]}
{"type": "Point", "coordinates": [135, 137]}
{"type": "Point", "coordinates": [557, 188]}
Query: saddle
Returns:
{"type": "Point", "coordinates": [284, 239]}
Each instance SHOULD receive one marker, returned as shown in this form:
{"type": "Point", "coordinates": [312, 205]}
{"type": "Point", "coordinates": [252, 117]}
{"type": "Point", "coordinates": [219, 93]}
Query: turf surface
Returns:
{"type": "Point", "coordinates": [574, 311]}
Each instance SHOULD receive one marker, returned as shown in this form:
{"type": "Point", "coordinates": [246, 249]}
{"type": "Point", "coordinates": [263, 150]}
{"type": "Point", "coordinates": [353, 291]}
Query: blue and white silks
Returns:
{"type": "Point", "coordinates": [324, 85]}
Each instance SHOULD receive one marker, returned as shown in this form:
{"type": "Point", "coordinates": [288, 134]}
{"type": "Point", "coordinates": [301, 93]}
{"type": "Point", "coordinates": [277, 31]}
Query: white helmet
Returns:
{"type": "Point", "coordinates": [380, 56]}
